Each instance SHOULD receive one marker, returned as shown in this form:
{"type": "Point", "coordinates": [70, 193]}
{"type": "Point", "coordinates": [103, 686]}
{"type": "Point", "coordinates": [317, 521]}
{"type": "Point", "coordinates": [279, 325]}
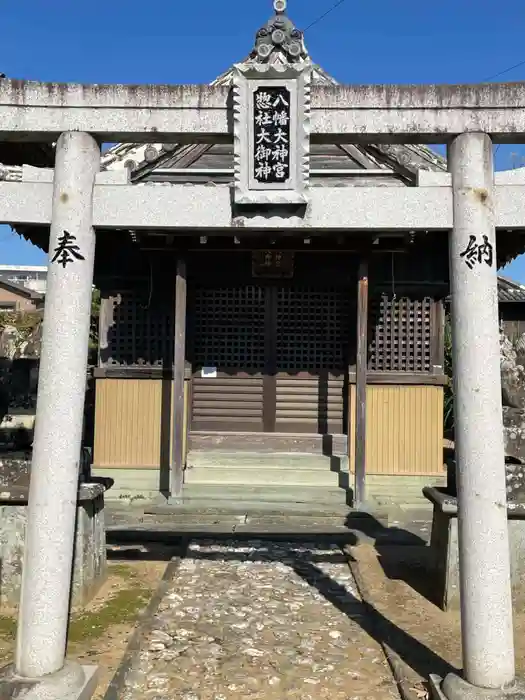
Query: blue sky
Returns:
{"type": "Point", "coordinates": [163, 41]}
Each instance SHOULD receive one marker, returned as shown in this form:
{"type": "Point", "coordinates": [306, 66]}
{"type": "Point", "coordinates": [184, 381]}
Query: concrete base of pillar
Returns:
{"type": "Point", "coordinates": [454, 687]}
{"type": "Point", "coordinates": [73, 682]}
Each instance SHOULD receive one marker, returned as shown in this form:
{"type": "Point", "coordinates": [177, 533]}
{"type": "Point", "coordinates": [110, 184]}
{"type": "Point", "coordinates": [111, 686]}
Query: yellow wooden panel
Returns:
{"type": "Point", "coordinates": [128, 423]}
{"type": "Point", "coordinates": [404, 430]}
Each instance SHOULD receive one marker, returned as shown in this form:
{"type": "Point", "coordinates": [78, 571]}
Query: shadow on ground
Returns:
{"type": "Point", "coordinates": [416, 655]}
{"type": "Point", "coordinates": [411, 565]}
{"type": "Point", "coordinates": [402, 555]}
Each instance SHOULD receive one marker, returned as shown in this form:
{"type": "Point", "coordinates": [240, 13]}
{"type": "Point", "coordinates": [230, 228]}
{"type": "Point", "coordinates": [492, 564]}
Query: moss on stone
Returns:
{"type": "Point", "coordinates": [121, 608]}
{"type": "Point", "coordinates": [7, 626]}
{"type": "Point", "coordinates": [121, 570]}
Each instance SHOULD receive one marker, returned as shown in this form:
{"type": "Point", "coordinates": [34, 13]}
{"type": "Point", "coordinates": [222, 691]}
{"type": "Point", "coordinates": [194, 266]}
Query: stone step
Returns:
{"type": "Point", "coordinates": [264, 494]}
{"type": "Point", "coordinates": [269, 442]}
{"type": "Point", "coordinates": [407, 493]}
{"type": "Point", "coordinates": [265, 475]}
{"type": "Point", "coordinates": [209, 510]}
{"type": "Point", "coordinates": [198, 515]}
{"type": "Point", "coordinates": [256, 460]}
{"type": "Point", "coordinates": [401, 490]}
{"type": "Point", "coordinates": [165, 523]}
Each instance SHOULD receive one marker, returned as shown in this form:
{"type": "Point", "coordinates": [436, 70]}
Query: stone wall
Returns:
{"type": "Point", "coordinates": [513, 394]}
{"type": "Point", "coordinates": [89, 570]}
{"type": "Point", "coordinates": [444, 560]}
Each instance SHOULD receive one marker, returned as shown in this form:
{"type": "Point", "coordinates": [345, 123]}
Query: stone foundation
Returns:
{"type": "Point", "coordinates": [445, 554]}
{"type": "Point", "coordinates": [89, 571]}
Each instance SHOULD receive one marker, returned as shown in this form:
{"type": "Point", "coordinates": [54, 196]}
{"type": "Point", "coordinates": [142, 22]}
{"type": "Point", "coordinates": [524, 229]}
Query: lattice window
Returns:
{"type": "Point", "coordinates": [229, 328]}
{"type": "Point", "coordinates": [312, 329]}
{"type": "Point", "coordinates": [141, 334]}
{"type": "Point", "coordinates": [401, 333]}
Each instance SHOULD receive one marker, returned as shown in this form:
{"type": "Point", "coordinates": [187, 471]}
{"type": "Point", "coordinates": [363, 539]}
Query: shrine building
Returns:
{"type": "Point", "coordinates": [237, 363]}
{"type": "Point", "coordinates": [271, 318]}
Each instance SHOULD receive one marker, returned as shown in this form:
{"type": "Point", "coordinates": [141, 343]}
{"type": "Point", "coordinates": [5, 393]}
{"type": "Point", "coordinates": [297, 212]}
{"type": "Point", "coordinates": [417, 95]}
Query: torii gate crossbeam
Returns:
{"type": "Point", "coordinates": [40, 112]}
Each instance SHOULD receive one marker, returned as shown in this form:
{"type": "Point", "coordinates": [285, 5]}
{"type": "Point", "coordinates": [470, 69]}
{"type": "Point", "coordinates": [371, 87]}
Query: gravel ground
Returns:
{"type": "Point", "coordinates": [256, 620]}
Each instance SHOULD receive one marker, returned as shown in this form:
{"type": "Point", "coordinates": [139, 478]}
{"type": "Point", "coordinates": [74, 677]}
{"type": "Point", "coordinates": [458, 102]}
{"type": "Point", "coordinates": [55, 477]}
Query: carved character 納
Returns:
{"type": "Point", "coordinates": [477, 253]}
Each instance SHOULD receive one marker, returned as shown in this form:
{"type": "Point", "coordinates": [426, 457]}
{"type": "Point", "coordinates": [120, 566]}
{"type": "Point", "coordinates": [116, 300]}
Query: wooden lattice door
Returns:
{"type": "Point", "coordinates": [270, 358]}
{"type": "Point", "coordinates": [229, 358]}
{"type": "Point", "coordinates": [312, 337]}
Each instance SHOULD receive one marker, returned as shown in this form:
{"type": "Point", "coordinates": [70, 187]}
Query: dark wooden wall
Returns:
{"type": "Point", "coordinates": [405, 309]}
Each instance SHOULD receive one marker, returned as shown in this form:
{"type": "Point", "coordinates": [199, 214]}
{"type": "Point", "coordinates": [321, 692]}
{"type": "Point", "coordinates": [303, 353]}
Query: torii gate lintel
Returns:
{"type": "Point", "coordinates": [40, 112]}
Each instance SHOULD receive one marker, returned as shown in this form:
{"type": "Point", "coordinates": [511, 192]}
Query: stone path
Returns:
{"type": "Point", "coordinates": [258, 620]}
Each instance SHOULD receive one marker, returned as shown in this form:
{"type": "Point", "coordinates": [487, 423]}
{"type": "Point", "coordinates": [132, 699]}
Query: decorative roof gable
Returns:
{"type": "Point", "coordinates": [278, 42]}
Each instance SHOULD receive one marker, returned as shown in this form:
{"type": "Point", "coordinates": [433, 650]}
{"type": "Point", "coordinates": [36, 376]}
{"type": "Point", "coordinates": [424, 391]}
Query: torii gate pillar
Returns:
{"type": "Point", "coordinates": [486, 605]}
{"type": "Point", "coordinates": [46, 582]}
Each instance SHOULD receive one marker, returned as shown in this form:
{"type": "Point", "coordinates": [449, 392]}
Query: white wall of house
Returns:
{"type": "Point", "coordinates": [31, 276]}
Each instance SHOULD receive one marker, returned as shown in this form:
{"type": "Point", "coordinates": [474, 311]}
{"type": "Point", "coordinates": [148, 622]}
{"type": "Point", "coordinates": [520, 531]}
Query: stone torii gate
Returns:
{"type": "Point", "coordinates": [469, 204]}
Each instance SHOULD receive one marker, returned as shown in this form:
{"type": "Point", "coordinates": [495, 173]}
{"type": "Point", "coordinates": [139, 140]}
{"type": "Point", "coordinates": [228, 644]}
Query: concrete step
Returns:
{"type": "Point", "coordinates": [402, 490]}
{"type": "Point", "coordinates": [265, 475]}
{"type": "Point", "coordinates": [405, 495]}
{"type": "Point", "coordinates": [259, 494]}
{"type": "Point", "coordinates": [209, 510]}
{"type": "Point", "coordinates": [403, 486]}
{"type": "Point", "coordinates": [269, 442]}
{"type": "Point", "coordinates": [257, 460]}
{"type": "Point", "coordinates": [164, 523]}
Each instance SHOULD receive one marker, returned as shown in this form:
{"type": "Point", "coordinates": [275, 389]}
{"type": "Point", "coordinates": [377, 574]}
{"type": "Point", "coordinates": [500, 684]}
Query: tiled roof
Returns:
{"type": "Point", "coordinates": [510, 291]}
{"type": "Point", "coordinates": [405, 158]}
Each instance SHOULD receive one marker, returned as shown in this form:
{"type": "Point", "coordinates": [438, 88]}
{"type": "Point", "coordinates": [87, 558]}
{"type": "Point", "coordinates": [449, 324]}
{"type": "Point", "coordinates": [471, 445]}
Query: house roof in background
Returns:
{"type": "Point", "coordinates": [510, 291]}
{"type": "Point", "coordinates": [23, 268]}
{"type": "Point", "coordinates": [21, 290]}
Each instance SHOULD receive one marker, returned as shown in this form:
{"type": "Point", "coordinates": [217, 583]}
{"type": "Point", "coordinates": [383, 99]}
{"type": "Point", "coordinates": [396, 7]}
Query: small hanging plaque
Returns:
{"type": "Point", "coordinates": [273, 264]}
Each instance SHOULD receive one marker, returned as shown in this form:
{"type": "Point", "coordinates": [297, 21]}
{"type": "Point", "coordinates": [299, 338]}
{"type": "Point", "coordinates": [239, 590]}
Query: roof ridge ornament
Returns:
{"type": "Point", "coordinates": [279, 41]}
{"type": "Point", "coordinates": [271, 119]}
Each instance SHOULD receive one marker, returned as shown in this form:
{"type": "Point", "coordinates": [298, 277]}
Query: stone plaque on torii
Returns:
{"type": "Point", "coordinates": [271, 113]}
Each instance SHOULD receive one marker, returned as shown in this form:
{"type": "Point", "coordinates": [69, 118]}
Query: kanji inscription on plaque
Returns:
{"type": "Point", "coordinates": [272, 116]}
{"type": "Point", "coordinates": [273, 263]}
